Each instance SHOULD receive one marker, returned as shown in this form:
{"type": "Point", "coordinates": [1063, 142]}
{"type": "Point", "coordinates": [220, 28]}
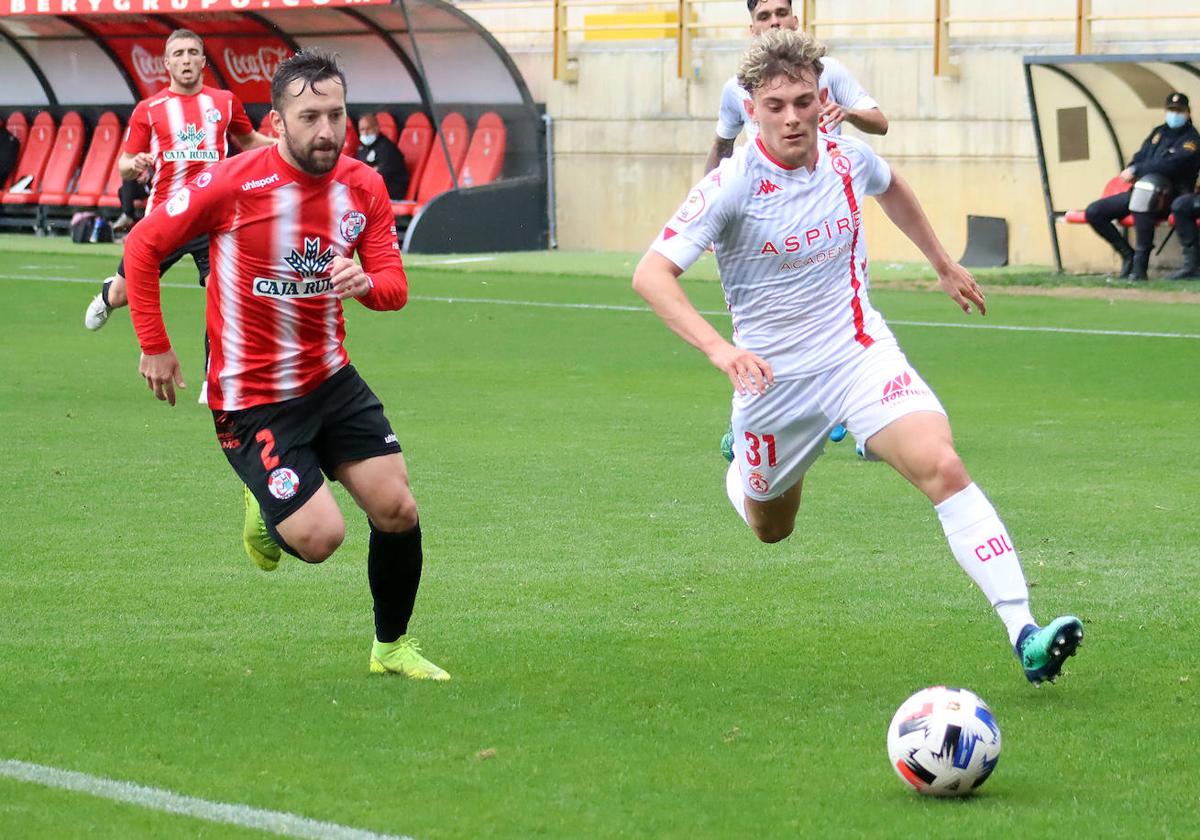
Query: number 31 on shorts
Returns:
{"type": "Point", "coordinates": [754, 446]}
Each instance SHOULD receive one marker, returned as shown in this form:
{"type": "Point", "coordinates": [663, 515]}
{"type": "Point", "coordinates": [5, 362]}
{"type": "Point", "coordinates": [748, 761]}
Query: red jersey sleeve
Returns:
{"type": "Point", "coordinates": [239, 121]}
{"type": "Point", "coordinates": [379, 252]}
{"type": "Point", "coordinates": [202, 205]}
{"type": "Point", "coordinates": [137, 139]}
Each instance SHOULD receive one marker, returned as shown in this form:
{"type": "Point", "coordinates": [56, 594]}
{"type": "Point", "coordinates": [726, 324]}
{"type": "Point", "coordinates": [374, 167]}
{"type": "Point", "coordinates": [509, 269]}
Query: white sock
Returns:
{"type": "Point", "coordinates": [733, 489]}
{"type": "Point", "coordinates": [981, 545]}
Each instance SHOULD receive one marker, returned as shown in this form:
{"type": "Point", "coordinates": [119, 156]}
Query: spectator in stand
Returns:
{"type": "Point", "coordinates": [1170, 153]}
{"type": "Point", "coordinates": [381, 154]}
{"type": "Point", "coordinates": [10, 150]}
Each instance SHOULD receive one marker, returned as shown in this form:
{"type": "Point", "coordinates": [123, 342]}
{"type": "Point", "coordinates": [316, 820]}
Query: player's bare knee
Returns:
{"type": "Point", "coordinates": [772, 532]}
{"type": "Point", "coordinates": [321, 542]}
{"type": "Point", "coordinates": [397, 515]}
{"type": "Point", "coordinates": [950, 474]}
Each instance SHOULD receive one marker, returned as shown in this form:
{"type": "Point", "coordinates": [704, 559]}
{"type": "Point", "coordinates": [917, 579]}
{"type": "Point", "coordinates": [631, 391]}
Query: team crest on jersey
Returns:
{"type": "Point", "coordinates": [840, 164]}
{"type": "Point", "coordinates": [352, 225]}
{"type": "Point", "coordinates": [313, 262]}
{"type": "Point", "coordinates": [179, 202]}
{"type": "Point", "coordinates": [692, 207]}
{"type": "Point", "coordinates": [283, 483]}
{"type": "Point", "coordinates": [758, 483]}
{"type": "Point", "coordinates": [212, 115]}
{"type": "Point", "coordinates": [192, 138]}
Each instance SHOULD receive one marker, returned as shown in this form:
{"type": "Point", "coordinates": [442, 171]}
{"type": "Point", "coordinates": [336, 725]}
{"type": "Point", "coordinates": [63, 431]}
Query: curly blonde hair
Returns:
{"type": "Point", "coordinates": [780, 52]}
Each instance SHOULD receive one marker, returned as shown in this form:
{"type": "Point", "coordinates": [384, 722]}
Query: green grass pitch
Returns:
{"type": "Point", "coordinates": [627, 660]}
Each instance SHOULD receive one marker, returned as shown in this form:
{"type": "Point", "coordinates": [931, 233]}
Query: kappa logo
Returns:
{"type": "Point", "coordinates": [313, 262]}
{"type": "Point", "coordinates": [283, 483]}
{"type": "Point", "coordinates": [766, 186]}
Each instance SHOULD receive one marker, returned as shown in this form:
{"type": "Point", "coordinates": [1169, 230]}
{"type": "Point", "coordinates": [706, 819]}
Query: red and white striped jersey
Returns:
{"type": "Point", "coordinates": [275, 325]}
{"type": "Point", "coordinates": [185, 134]}
{"type": "Point", "coordinates": [791, 251]}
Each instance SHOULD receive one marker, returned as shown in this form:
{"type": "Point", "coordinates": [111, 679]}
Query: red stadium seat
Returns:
{"type": "Point", "coordinates": [414, 143]}
{"type": "Point", "coordinates": [106, 144]}
{"type": "Point", "coordinates": [387, 126]}
{"type": "Point", "coordinates": [435, 177]}
{"type": "Point", "coordinates": [266, 127]}
{"type": "Point", "coordinates": [64, 162]}
{"type": "Point", "coordinates": [351, 144]}
{"type": "Point", "coordinates": [33, 160]}
{"type": "Point", "coordinates": [18, 127]}
{"type": "Point", "coordinates": [486, 152]}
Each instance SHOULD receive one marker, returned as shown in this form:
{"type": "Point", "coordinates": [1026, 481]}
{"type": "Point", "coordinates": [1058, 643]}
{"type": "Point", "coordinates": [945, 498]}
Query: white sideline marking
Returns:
{"type": "Point", "coordinates": [455, 261]}
{"type": "Point", "coordinates": [156, 799]}
{"type": "Point", "coordinates": [616, 307]}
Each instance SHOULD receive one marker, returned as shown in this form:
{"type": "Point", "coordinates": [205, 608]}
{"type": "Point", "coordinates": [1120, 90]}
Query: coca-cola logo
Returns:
{"type": "Point", "coordinates": [148, 66]}
{"type": "Point", "coordinates": [254, 67]}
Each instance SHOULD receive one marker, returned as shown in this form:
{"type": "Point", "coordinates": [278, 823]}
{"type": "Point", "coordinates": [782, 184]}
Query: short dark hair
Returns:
{"type": "Point", "coordinates": [184, 33]}
{"type": "Point", "coordinates": [310, 66]}
{"type": "Point", "coordinates": [753, 4]}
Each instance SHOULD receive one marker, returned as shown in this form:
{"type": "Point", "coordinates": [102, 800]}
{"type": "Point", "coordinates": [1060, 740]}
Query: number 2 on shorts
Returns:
{"type": "Point", "coordinates": [753, 456]}
{"type": "Point", "coordinates": [267, 438]}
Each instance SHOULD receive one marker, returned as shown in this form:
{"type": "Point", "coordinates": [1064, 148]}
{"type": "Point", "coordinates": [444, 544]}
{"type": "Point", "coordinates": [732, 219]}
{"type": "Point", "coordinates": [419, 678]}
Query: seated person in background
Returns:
{"type": "Point", "coordinates": [1186, 210]}
{"type": "Point", "coordinates": [1172, 150]}
{"type": "Point", "coordinates": [132, 189]}
{"type": "Point", "coordinates": [10, 150]}
{"type": "Point", "coordinates": [381, 154]}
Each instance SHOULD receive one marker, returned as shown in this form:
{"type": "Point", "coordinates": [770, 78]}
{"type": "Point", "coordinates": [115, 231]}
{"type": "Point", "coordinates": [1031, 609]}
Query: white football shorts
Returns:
{"type": "Point", "coordinates": [778, 435]}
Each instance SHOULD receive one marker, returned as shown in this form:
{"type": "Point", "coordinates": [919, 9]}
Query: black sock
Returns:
{"type": "Point", "coordinates": [104, 293]}
{"type": "Point", "coordinates": [394, 572]}
{"type": "Point", "coordinates": [279, 541]}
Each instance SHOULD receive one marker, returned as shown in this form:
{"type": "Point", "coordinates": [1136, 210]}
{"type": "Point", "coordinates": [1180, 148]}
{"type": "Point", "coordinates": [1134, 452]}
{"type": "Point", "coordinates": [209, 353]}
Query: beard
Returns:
{"type": "Point", "coordinates": [313, 159]}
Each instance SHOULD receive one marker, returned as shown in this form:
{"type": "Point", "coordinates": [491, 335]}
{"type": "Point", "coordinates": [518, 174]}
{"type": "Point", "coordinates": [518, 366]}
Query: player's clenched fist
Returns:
{"type": "Point", "coordinates": [349, 280]}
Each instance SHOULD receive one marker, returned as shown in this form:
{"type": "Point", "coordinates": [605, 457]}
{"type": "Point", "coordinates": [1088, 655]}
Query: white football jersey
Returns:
{"type": "Point", "coordinates": [844, 89]}
{"type": "Point", "coordinates": [791, 251]}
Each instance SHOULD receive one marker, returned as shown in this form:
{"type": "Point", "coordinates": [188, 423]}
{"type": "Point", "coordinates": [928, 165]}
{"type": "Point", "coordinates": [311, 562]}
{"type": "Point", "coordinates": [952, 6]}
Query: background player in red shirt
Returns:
{"type": "Point", "coordinates": [284, 223]}
{"type": "Point", "coordinates": [172, 136]}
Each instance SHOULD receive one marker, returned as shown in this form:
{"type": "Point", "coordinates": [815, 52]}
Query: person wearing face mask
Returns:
{"type": "Point", "coordinates": [1172, 153]}
{"type": "Point", "coordinates": [1186, 208]}
{"type": "Point", "coordinates": [381, 154]}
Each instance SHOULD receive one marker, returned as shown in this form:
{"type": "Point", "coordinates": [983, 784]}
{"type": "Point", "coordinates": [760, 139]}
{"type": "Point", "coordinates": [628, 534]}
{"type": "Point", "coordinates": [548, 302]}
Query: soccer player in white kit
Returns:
{"type": "Point", "coordinates": [848, 101]}
{"type": "Point", "coordinates": [809, 349]}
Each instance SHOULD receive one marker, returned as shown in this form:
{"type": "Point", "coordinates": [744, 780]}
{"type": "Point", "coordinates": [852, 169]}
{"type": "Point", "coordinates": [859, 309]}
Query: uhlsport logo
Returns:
{"type": "Point", "coordinates": [191, 137]}
{"type": "Point", "coordinates": [897, 388]}
{"type": "Point", "coordinates": [352, 225]}
{"type": "Point", "coordinates": [283, 483]}
{"type": "Point", "coordinates": [260, 182]}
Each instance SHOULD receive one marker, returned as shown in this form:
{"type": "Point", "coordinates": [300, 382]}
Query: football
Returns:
{"type": "Point", "coordinates": [944, 741]}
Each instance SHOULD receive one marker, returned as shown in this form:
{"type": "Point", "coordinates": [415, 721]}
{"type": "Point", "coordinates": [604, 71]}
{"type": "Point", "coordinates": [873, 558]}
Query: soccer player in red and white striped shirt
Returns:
{"type": "Point", "coordinates": [809, 350]}
{"type": "Point", "coordinates": [284, 224]}
{"type": "Point", "coordinates": [172, 136]}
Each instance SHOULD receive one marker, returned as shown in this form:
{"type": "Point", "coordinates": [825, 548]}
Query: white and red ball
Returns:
{"type": "Point", "coordinates": [944, 741]}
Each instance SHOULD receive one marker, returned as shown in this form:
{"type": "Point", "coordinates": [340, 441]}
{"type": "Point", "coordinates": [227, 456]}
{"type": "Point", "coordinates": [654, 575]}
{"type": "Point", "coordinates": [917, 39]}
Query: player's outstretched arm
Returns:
{"type": "Point", "coordinates": [721, 149]}
{"type": "Point", "coordinates": [657, 280]}
{"type": "Point", "coordinates": [900, 204]}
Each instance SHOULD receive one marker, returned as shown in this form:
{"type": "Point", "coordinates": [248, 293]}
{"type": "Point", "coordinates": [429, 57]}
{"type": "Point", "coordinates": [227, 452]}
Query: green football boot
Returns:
{"type": "Point", "coordinates": [403, 656]}
{"type": "Point", "coordinates": [1043, 650]}
{"type": "Point", "coordinates": [256, 539]}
